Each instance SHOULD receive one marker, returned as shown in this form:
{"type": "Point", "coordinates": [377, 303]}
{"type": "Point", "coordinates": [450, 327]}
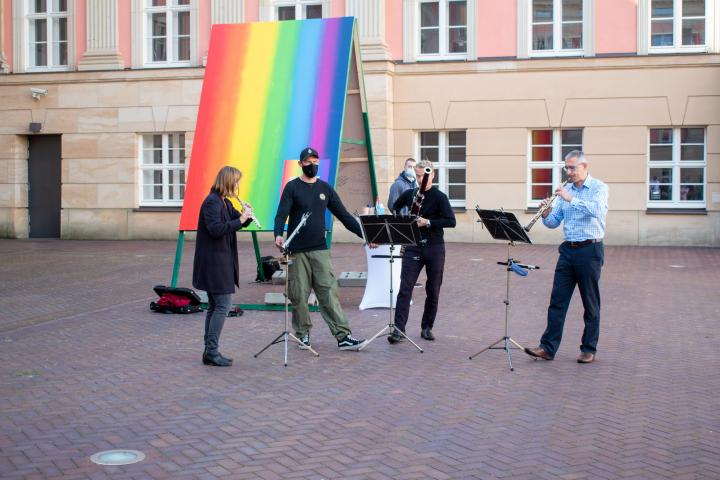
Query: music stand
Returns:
{"type": "Point", "coordinates": [390, 230]}
{"type": "Point", "coordinates": [286, 260]}
{"type": "Point", "coordinates": [505, 226]}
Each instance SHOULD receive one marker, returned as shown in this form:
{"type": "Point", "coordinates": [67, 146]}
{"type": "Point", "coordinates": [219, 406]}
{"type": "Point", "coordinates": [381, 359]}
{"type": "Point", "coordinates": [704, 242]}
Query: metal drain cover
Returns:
{"type": "Point", "coordinates": [118, 457]}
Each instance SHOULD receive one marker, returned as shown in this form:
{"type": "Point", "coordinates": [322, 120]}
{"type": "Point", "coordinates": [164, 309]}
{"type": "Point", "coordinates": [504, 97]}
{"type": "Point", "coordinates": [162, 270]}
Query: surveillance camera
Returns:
{"type": "Point", "coordinates": [38, 92]}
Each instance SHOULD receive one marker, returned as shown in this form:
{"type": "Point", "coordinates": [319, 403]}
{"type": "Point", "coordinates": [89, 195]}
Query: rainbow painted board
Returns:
{"type": "Point", "coordinates": [270, 89]}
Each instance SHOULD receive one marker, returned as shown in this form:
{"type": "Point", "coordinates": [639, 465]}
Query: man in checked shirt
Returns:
{"type": "Point", "coordinates": [581, 207]}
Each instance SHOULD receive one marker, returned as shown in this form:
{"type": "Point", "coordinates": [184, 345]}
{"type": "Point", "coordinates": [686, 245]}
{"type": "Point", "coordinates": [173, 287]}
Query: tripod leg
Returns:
{"type": "Point", "coordinates": [381, 332]}
{"type": "Point", "coordinates": [516, 344]}
{"type": "Point", "coordinates": [285, 346]}
{"type": "Point", "coordinates": [485, 349]}
{"type": "Point", "coordinates": [507, 349]}
{"type": "Point", "coordinates": [293, 337]}
{"type": "Point", "coordinates": [409, 340]}
{"type": "Point", "coordinates": [276, 340]}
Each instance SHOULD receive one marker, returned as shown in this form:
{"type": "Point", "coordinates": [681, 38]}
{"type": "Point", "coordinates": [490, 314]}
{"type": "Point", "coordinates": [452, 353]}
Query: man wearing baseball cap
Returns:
{"type": "Point", "coordinates": [312, 268]}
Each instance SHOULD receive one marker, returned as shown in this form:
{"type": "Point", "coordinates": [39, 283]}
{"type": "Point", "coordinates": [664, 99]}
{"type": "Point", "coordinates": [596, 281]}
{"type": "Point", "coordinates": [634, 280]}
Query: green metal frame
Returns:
{"type": "Point", "coordinates": [245, 306]}
{"type": "Point", "coordinates": [371, 156]}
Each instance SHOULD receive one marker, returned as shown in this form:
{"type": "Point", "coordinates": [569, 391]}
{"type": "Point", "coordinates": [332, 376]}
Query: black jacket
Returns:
{"type": "Point", "coordinates": [299, 197]}
{"type": "Point", "coordinates": [215, 268]}
{"type": "Point", "coordinates": [436, 208]}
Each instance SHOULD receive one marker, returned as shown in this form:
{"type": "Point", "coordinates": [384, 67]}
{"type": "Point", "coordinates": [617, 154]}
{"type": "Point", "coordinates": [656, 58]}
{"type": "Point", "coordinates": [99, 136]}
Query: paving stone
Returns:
{"type": "Point", "coordinates": [85, 366]}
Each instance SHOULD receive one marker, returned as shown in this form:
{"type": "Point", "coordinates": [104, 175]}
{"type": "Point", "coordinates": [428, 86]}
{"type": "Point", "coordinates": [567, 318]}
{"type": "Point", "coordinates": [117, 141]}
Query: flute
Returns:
{"type": "Point", "coordinates": [248, 206]}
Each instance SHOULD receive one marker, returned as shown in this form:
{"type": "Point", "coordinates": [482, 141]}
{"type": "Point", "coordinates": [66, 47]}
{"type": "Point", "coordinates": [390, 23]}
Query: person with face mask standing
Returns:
{"type": "Point", "coordinates": [435, 215]}
{"type": "Point", "coordinates": [311, 268]}
{"type": "Point", "coordinates": [405, 181]}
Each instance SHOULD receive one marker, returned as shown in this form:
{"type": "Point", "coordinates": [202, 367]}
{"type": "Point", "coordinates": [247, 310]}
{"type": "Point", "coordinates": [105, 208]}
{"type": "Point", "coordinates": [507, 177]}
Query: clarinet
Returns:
{"type": "Point", "coordinates": [542, 209]}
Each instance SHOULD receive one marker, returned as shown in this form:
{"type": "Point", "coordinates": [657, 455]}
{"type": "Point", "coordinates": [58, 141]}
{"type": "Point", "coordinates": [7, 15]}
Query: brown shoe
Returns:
{"type": "Point", "coordinates": [538, 353]}
{"type": "Point", "coordinates": [586, 357]}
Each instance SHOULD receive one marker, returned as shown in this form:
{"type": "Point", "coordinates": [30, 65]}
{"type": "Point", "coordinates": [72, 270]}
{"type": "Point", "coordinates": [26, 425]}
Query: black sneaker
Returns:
{"type": "Point", "coordinates": [304, 342]}
{"type": "Point", "coordinates": [350, 343]}
{"type": "Point", "coordinates": [395, 337]}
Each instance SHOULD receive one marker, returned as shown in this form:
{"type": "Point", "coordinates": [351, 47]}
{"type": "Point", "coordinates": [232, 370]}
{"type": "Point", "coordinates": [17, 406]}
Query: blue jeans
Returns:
{"type": "Point", "coordinates": [579, 266]}
{"type": "Point", "coordinates": [218, 308]}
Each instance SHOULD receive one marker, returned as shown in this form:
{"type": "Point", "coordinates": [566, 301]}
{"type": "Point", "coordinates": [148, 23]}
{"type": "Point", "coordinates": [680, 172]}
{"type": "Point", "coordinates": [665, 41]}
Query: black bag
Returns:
{"type": "Point", "coordinates": [175, 300]}
{"type": "Point", "coordinates": [269, 266]}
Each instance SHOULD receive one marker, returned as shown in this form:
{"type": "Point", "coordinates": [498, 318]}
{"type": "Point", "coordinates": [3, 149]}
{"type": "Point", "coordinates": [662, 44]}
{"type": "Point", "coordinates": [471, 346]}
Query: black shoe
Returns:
{"type": "Point", "coordinates": [350, 343]}
{"type": "Point", "coordinates": [427, 334]}
{"type": "Point", "coordinates": [216, 360]}
{"type": "Point", "coordinates": [395, 337]}
{"type": "Point", "coordinates": [304, 342]}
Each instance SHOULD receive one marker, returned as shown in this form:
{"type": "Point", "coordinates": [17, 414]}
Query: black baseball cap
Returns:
{"type": "Point", "coordinates": [308, 152]}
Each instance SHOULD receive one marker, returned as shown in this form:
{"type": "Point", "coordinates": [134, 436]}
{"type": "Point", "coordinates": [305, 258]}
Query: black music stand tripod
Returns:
{"type": "Point", "coordinates": [505, 226]}
{"type": "Point", "coordinates": [393, 231]}
{"type": "Point", "coordinates": [286, 260]}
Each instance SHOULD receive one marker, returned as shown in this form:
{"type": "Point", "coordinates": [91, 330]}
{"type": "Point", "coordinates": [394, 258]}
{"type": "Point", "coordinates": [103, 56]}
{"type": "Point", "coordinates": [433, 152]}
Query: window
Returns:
{"type": "Point", "coordinates": [556, 27]}
{"type": "Point", "coordinates": [677, 25]}
{"type": "Point", "coordinates": [447, 152]}
{"type": "Point", "coordinates": [443, 29]}
{"type": "Point", "coordinates": [47, 35]}
{"type": "Point", "coordinates": [167, 32]}
{"type": "Point", "coordinates": [547, 157]}
{"type": "Point", "coordinates": [676, 167]}
{"type": "Point", "coordinates": [298, 10]}
{"type": "Point", "coordinates": [162, 169]}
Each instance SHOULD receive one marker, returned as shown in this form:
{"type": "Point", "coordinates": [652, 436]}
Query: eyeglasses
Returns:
{"type": "Point", "coordinates": [571, 168]}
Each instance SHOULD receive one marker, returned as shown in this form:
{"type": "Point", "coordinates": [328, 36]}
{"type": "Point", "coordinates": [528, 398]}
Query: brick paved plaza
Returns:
{"type": "Point", "coordinates": [85, 366]}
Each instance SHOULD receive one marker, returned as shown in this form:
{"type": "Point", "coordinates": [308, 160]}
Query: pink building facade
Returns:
{"type": "Point", "coordinates": [492, 91]}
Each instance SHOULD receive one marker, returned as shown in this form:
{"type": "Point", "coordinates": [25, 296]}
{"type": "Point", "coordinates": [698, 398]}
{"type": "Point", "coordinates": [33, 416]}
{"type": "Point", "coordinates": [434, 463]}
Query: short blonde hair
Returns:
{"type": "Point", "coordinates": [226, 182]}
{"type": "Point", "coordinates": [425, 164]}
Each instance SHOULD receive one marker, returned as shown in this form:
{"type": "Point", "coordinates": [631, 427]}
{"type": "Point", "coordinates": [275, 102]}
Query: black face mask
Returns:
{"type": "Point", "coordinates": [310, 170]}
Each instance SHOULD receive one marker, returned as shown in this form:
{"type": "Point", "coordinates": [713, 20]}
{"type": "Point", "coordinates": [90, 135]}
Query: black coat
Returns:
{"type": "Point", "coordinates": [215, 268]}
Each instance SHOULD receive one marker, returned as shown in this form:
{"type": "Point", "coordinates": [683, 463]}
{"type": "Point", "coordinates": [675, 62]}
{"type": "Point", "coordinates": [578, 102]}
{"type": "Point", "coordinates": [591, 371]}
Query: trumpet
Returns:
{"type": "Point", "coordinates": [542, 209]}
{"type": "Point", "coordinates": [248, 206]}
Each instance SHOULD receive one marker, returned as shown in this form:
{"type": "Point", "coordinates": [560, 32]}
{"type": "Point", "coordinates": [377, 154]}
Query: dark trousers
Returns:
{"type": "Point", "coordinates": [218, 308]}
{"type": "Point", "coordinates": [432, 257]}
{"type": "Point", "coordinates": [579, 266]}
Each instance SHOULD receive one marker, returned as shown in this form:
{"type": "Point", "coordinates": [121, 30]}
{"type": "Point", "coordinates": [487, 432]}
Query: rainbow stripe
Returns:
{"type": "Point", "coordinates": [270, 89]}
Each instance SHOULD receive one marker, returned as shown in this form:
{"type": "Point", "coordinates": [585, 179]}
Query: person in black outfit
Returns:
{"type": "Point", "coordinates": [435, 215]}
{"type": "Point", "coordinates": [311, 268]}
{"type": "Point", "coordinates": [215, 267]}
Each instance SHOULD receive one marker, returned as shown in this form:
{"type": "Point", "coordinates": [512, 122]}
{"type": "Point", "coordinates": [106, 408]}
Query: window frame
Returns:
{"type": "Point", "coordinates": [165, 166]}
{"type": "Point", "coordinates": [299, 8]}
{"type": "Point", "coordinates": [170, 10]}
{"type": "Point", "coordinates": [677, 19]}
{"type": "Point", "coordinates": [556, 164]}
{"type": "Point", "coordinates": [557, 33]}
{"type": "Point", "coordinates": [443, 164]}
{"type": "Point", "coordinates": [444, 32]}
{"type": "Point", "coordinates": [25, 34]}
{"type": "Point", "coordinates": [676, 164]}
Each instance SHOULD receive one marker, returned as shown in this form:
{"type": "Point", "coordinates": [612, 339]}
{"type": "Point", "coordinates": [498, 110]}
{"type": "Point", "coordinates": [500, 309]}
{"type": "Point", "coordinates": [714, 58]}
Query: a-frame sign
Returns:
{"type": "Point", "coordinates": [271, 89]}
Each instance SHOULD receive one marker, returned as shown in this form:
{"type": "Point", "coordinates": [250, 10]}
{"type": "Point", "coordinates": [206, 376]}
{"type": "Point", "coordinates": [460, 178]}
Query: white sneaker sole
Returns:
{"type": "Point", "coordinates": [354, 347]}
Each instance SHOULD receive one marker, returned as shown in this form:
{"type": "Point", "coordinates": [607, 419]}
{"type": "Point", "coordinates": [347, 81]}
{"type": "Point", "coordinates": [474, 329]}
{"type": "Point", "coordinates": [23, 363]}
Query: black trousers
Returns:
{"type": "Point", "coordinates": [579, 266]}
{"type": "Point", "coordinates": [432, 257]}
